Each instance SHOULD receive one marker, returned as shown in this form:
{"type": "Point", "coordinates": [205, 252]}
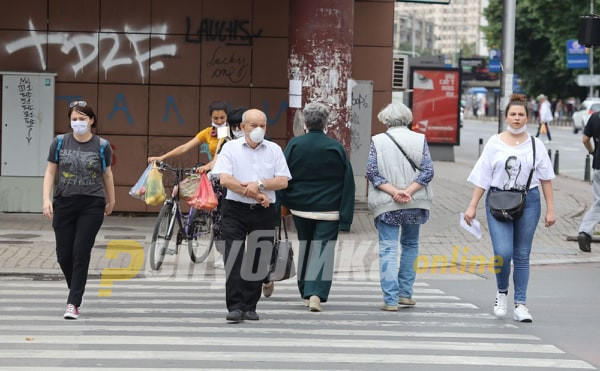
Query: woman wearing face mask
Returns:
{"type": "Point", "coordinates": [512, 240]}
{"type": "Point", "coordinates": [83, 194]}
{"type": "Point", "coordinates": [209, 135]}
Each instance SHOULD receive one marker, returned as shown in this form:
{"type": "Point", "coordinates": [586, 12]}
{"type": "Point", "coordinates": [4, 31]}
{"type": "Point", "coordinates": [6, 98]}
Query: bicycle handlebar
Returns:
{"type": "Point", "coordinates": [185, 170]}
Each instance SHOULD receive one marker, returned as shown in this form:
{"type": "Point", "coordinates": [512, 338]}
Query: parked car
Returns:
{"type": "Point", "coordinates": [583, 113]}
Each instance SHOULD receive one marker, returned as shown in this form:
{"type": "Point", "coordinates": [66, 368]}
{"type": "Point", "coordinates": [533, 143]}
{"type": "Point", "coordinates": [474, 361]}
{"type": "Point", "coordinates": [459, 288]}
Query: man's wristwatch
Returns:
{"type": "Point", "coordinates": [261, 186]}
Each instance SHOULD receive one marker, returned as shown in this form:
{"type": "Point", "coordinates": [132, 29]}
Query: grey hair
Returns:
{"type": "Point", "coordinates": [395, 114]}
{"type": "Point", "coordinates": [315, 116]}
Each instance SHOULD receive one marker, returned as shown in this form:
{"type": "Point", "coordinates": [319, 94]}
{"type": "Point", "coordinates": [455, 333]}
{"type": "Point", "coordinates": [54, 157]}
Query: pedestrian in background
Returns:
{"type": "Point", "coordinates": [83, 194]}
{"type": "Point", "coordinates": [320, 197]}
{"type": "Point", "coordinates": [512, 240]}
{"type": "Point", "coordinates": [399, 170]}
{"type": "Point", "coordinates": [546, 116]}
{"type": "Point", "coordinates": [592, 216]}
{"type": "Point", "coordinates": [234, 120]}
{"type": "Point", "coordinates": [251, 169]}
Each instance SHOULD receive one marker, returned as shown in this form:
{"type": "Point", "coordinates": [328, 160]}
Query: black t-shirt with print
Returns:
{"type": "Point", "coordinates": [79, 166]}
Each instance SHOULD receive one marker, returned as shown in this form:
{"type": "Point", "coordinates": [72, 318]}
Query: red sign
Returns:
{"type": "Point", "coordinates": [435, 103]}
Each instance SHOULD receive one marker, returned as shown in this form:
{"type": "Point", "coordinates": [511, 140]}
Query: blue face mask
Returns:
{"type": "Point", "coordinates": [79, 127]}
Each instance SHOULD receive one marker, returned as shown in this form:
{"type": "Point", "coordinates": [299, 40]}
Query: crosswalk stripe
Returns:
{"type": "Point", "coordinates": [118, 294]}
{"type": "Point", "coordinates": [205, 301]}
{"type": "Point", "coordinates": [177, 284]}
{"type": "Point", "coordinates": [295, 357]}
{"type": "Point", "coordinates": [282, 342]}
{"type": "Point", "coordinates": [320, 331]}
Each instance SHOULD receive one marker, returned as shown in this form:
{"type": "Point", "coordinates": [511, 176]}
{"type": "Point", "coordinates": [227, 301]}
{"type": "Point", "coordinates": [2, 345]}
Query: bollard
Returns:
{"type": "Point", "coordinates": [480, 147]}
{"type": "Point", "coordinates": [586, 171]}
{"type": "Point", "coordinates": [550, 154]}
{"type": "Point", "coordinates": [556, 162]}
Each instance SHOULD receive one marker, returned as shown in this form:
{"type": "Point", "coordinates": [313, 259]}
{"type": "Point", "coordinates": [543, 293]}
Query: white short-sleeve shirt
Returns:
{"type": "Point", "coordinates": [247, 165]}
{"type": "Point", "coordinates": [507, 167]}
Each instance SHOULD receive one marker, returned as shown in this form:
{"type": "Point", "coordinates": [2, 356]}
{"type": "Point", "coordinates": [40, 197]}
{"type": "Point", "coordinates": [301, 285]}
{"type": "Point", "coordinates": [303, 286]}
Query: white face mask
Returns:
{"type": "Point", "coordinates": [520, 130]}
{"type": "Point", "coordinates": [237, 133]}
{"type": "Point", "coordinates": [79, 127]}
{"type": "Point", "coordinates": [257, 135]}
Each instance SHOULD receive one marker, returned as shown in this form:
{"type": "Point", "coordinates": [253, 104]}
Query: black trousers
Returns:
{"type": "Point", "coordinates": [76, 223]}
{"type": "Point", "coordinates": [248, 232]}
{"type": "Point", "coordinates": [547, 130]}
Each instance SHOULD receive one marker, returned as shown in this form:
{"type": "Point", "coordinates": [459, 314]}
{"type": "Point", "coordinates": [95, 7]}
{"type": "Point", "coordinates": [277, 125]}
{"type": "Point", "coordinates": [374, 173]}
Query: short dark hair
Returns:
{"type": "Point", "coordinates": [234, 116]}
{"type": "Point", "coordinates": [84, 107]}
{"type": "Point", "coordinates": [217, 106]}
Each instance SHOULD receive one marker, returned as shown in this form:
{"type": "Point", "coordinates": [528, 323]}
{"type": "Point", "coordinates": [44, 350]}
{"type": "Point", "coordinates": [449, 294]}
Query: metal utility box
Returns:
{"type": "Point", "coordinates": [27, 131]}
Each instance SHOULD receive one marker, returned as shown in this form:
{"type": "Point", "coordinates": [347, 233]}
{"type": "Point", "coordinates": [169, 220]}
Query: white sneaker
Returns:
{"type": "Point", "coordinates": [219, 262]}
{"type": "Point", "coordinates": [522, 314]}
{"type": "Point", "coordinates": [500, 305]}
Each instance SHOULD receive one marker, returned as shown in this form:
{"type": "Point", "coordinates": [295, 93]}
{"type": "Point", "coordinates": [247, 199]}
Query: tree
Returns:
{"type": "Point", "coordinates": [542, 28]}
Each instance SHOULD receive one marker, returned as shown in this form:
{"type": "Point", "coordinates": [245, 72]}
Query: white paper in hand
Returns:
{"type": "Point", "coordinates": [474, 228]}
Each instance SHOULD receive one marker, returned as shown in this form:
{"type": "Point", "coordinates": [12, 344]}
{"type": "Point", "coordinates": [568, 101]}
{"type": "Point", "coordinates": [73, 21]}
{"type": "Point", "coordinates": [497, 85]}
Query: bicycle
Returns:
{"type": "Point", "coordinates": [196, 227]}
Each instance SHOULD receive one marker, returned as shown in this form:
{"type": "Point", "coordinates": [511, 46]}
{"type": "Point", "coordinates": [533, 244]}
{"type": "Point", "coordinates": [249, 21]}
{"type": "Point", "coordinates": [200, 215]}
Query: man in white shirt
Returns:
{"type": "Point", "coordinates": [545, 116]}
{"type": "Point", "coordinates": [251, 169]}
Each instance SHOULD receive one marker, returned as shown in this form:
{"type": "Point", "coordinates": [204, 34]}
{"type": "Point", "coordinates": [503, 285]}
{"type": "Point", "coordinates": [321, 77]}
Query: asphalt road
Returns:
{"type": "Point", "coordinates": [563, 300]}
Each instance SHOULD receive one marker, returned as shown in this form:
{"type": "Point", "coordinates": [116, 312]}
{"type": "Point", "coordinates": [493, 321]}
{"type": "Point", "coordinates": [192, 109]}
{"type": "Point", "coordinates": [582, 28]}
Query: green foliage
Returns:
{"type": "Point", "coordinates": [542, 28]}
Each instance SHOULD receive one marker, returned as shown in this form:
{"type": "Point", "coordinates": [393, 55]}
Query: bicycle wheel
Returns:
{"type": "Point", "coordinates": [201, 237]}
{"type": "Point", "coordinates": [161, 236]}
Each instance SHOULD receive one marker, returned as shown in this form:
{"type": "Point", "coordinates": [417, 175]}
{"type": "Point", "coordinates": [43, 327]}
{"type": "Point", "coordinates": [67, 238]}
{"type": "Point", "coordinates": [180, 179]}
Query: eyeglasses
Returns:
{"type": "Point", "coordinates": [80, 103]}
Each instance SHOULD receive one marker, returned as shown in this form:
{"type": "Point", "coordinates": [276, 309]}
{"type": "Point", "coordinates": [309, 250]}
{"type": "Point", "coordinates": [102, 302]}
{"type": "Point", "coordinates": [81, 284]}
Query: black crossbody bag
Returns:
{"type": "Point", "coordinates": [410, 161]}
{"type": "Point", "coordinates": [508, 205]}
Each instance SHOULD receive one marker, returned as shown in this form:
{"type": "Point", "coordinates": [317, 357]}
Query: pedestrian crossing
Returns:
{"type": "Point", "coordinates": [180, 323]}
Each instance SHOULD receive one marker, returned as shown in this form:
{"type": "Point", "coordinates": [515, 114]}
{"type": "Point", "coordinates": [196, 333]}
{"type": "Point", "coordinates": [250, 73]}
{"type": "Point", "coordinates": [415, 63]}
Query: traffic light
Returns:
{"type": "Point", "coordinates": [589, 30]}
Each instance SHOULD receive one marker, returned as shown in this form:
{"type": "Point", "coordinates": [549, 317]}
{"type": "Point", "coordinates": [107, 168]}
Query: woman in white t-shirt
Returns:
{"type": "Point", "coordinates": [505, 163]}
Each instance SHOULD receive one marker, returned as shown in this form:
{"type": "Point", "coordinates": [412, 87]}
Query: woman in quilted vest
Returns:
{"type": "Point", "coordinates": [399, 172]}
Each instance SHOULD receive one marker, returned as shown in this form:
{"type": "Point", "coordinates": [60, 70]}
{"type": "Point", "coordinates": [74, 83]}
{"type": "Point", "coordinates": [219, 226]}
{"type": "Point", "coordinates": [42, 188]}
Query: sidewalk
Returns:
{"type": "Point", "coordinates": [27, 240]}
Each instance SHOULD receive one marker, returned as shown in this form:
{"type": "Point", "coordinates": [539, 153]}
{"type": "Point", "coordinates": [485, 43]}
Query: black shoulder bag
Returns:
{"type": "Point", "coordinates": [508, 205]}
{"type": "Point", "coordinates": [410, 161]}
{"type": "Point", "coordinates": [282, 261]}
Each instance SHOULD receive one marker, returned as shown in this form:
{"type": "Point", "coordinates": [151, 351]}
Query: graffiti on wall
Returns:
{"type": "Point", "coordinates": [231, 32]}
{"type": "Point", "coordinates": [26, 104]}
{"type": "Point", "coordinates": [125, 48]}
{"type": "Point", "coordinates": [228, 65]}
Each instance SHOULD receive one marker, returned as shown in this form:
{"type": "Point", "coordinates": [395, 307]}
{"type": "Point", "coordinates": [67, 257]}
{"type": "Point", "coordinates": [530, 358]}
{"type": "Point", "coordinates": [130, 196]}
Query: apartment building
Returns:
{"type": "Point", "coordinates": [442, 29]}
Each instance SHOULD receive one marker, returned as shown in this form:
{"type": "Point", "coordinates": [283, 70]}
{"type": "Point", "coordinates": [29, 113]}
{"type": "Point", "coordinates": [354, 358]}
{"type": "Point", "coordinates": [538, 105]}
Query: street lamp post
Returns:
{"type": "Point", "coordinates": [508, 57]}
{"type": "Point", "coordinates": [591, 57]}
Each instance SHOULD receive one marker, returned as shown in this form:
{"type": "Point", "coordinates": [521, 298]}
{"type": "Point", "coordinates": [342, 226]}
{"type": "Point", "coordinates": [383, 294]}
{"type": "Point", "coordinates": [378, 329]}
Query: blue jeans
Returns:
{"type": "Point", "coordinates": [397, 282]}
{"type": "Point", "coordinates": [512, 241]}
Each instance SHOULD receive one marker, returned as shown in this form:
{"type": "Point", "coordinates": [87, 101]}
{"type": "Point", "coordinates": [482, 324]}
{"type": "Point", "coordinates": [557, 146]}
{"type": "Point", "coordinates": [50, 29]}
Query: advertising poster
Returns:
{"type": "Point", "coordinates": [435, 103]}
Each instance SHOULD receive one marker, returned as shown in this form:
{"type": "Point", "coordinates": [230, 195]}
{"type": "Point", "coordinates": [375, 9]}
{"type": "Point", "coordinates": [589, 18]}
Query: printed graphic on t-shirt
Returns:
{"type": "Point", "coordinates": [512, 167]}
{"type": "Point", "coordinates": [79, 168]}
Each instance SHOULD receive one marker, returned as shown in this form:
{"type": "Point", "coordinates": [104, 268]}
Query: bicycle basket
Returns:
{"type": "Point", "coordinates": [188, 187]}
